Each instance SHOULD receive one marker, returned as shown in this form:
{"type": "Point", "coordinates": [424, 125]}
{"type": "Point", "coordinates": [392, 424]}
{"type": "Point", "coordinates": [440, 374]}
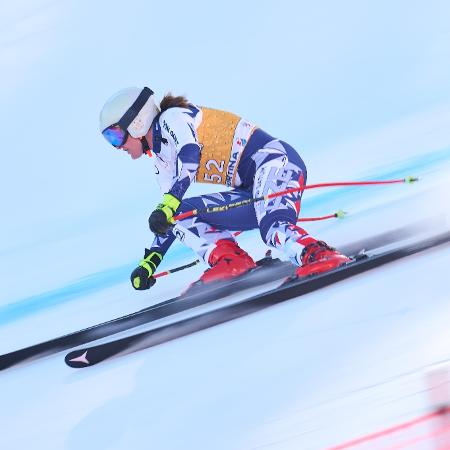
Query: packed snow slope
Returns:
{"type": "Point", "coordinates": [293, 376]}
{"type": "Point", "coordinates": [360, 90]}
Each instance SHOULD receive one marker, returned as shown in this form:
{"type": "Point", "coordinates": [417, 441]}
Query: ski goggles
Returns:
{"type": "Point", "coordinates": [117, 134]}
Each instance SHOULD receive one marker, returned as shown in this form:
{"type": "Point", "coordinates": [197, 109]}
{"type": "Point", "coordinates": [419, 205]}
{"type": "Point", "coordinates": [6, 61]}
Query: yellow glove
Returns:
{"type": "Point", "coordinates": [161, 219]}
{"type": "Point", "coordinates": [141, 277]}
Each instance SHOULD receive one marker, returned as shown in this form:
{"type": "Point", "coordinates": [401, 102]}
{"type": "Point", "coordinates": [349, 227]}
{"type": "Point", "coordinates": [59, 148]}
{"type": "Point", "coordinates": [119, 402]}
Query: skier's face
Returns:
{"type": "Point", "coordinates": [133, 147]}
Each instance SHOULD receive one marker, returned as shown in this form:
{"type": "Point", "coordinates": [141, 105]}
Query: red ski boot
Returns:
{"type": "Point", "coordinates": [227, 260]}
{"type": "Point", "coordinates": [319, 257]}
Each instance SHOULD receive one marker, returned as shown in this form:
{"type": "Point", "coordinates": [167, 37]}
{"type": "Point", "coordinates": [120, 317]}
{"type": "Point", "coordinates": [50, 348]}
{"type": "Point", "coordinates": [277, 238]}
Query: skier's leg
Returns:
{"type": "Point", "coordinates": [210, 237]}
{"type": "Point", "coordinates": [277, 171]}
{"type": "Point", "coordinates": [282, 168]}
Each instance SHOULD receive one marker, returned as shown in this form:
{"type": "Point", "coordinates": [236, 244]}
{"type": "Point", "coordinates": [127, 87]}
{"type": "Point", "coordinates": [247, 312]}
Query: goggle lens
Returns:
{"type": "Point", "coordinates": [115, 135]}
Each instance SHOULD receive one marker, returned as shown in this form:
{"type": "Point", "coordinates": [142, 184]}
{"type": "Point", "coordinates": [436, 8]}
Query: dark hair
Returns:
{"type": "Point", "coordinates": [169, 101]}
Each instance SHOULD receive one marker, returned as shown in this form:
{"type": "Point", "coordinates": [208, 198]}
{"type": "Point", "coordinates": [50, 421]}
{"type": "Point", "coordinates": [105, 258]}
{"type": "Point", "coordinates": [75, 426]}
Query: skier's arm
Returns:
{"type": "Point", "coordinates": [179, 132]}
{"type": "Point", "coordinates": [188, 160]}
{"type": "Point", "coordinates": [187, 164]}
{"type": "Point", "coordinates": [178, 129]}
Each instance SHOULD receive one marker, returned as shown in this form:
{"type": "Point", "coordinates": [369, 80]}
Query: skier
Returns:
{"type": "Point", "coordinates": [204, 145]}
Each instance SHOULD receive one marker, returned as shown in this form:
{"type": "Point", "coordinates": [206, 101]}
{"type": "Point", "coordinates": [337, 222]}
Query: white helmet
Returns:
{"type": "Point", "coordinates": [132, 108]}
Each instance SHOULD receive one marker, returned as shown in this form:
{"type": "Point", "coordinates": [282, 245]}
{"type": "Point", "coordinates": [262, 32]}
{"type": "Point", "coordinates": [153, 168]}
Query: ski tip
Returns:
{"type": "Point", "coordinates": [77, 359]}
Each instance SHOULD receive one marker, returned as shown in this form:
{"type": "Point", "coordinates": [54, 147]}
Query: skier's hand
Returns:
{"type": "Point", "coordinates": [161, 219]}
{"type": "Point", "coordinates": [141, 277]}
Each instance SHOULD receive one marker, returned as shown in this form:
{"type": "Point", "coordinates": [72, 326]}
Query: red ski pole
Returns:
{"type": "Point", "coordinates": [212, 209]}
{"type": "Point", "coordinates": [339, 214]}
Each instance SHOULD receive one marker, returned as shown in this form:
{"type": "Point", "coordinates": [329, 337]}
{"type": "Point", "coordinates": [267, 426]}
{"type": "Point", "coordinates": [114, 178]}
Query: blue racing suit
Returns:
{"type": "Point", "coordinates": [198, 144]}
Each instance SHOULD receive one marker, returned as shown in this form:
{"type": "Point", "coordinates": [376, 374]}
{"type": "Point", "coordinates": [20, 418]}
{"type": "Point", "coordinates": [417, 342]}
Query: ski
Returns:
{"type": "Point", "coordinates": [269, 269]}
{"type": "Point", "coordinates": [191, 299]}
{"type": "Point", "coordinates": [293, 288]}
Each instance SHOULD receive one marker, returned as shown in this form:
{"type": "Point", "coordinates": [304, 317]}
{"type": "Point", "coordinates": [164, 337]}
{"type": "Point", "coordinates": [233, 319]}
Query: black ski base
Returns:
{"type": "Point", "coordinates": [291, 289]}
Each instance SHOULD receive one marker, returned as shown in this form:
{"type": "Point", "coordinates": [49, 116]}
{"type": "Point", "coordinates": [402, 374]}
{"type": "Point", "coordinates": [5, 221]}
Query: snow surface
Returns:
{"type": "Point", "coordinates": [364, 94]}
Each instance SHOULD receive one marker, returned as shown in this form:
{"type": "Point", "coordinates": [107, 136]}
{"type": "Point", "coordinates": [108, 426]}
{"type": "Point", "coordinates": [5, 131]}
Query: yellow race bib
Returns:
{"type": "Point", "coordinates": [223, 137]}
